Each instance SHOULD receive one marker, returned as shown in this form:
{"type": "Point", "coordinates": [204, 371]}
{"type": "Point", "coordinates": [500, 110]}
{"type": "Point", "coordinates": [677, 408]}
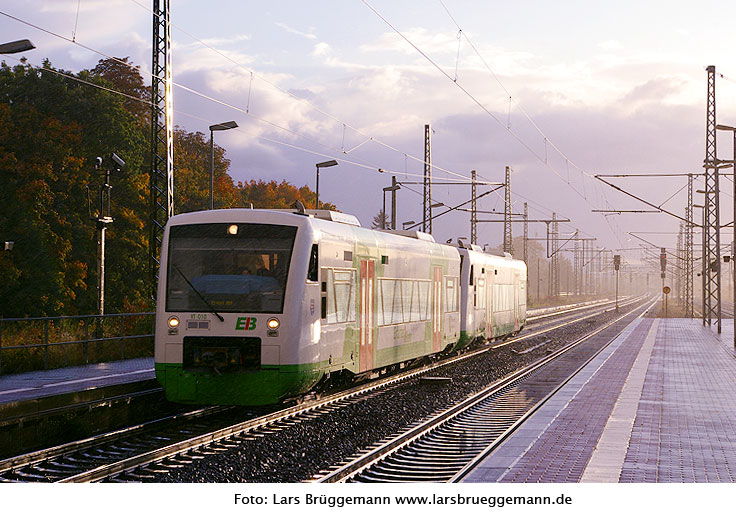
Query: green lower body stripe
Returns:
{"type": "Point", "coordinates": [263, 387]}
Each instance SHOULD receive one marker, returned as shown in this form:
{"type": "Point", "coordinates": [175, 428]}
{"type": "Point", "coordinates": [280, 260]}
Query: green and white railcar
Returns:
{"type": "Point", "coordinates": [255, 306]}
{"type": "Point", "coordinates": [493, 295]}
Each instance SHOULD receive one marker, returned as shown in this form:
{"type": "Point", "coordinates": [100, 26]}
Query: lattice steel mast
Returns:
{"type": "Point", "coordinates": [508, 245]}
{"type": "Point", "coordinates": [473, 209]}
{"type": "Point", "coordinates": [554, 280]}
{"type": "Point", "coordinates": [526, 235]}
{"type": "Point", "coordinates": [680, 264]}
{"type": "Point", "coordinates": [427, 219]}
{"type": "Point", "coordinates": [689, 270]}
{"type": "Point", "coordinates": [161, 181]}
{"type": "Point", "coordinates": [711, 225]}
{"type": "Point", "coordinates": [577, 275]}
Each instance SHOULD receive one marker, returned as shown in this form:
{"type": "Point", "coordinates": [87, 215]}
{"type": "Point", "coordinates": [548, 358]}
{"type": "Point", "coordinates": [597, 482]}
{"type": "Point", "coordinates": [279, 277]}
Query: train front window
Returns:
{"type": "Point", "coordinates": [231, 268]}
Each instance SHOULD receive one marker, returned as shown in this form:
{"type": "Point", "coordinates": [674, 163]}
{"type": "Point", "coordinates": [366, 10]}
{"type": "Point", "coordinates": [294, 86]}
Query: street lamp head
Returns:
{"type": "Point", "coordinates": [329, 163]}
{"type": "Point", "coordinates": [16, 46]}
{"type": "Point", "coordinates": [224, 126]}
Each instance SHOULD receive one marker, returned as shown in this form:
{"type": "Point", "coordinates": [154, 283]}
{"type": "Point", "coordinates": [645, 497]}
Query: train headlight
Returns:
{"type": "Point", "coordinates": [173, 322]}
{"type": "Point", "coordinates": [273, 323]}
{"type": "Point", "coordinates": [232, 230]}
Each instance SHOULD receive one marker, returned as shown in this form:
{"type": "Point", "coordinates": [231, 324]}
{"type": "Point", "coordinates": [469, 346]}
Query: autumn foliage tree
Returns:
{"type": "Point", "coordinates": [51, 130]}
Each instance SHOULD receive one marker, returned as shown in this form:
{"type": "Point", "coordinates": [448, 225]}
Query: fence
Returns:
{"type": "Point", "coordinates": [51, 342]}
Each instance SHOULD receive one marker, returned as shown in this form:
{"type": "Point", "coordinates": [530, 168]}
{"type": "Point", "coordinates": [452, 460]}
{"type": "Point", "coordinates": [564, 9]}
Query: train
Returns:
{"type": "Point", "coordinates": [256, 306]}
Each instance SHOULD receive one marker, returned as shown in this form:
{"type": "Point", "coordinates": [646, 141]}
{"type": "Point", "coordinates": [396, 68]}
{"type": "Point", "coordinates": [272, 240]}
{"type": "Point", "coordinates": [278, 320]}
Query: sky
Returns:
{"type": "Point", "coordinates": [559, 91]}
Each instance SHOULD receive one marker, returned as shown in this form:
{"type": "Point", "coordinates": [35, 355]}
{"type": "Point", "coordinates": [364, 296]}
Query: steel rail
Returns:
{"type": "Point", "coordinates": [395, 444]}
{"type": "Point", "coordinates": [499, 440]}
{"type": "Point", "coordinates": [159, 454]}
{"type": "Point", "coordinates": [55, 452]}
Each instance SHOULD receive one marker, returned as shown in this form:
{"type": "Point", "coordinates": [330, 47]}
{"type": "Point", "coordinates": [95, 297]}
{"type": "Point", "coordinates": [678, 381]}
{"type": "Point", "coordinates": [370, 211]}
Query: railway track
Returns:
{"type": "Point", "coordinates": [450, 443]}
{"type": "Point", "coordinates": [143, 452]}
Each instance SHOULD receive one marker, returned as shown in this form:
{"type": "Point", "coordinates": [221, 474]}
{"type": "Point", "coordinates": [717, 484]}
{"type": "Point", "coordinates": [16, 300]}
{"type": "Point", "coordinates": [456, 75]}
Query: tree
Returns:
{"type": "Point", "coordinates": [272, 195]}
{"type": "Point", "coordinates": [122, 76]}
{"type": "Point", "coordinates": [192, 173]}
{"type": "Point", "coordinates": [52, 130]}
{"type": "Point", "coordinates": [380, 220]}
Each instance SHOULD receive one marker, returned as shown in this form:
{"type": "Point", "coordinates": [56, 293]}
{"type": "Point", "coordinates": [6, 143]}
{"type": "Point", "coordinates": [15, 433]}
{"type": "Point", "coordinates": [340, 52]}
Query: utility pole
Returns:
{"type": "Point", "coordinates": [508, 245]}
{"type": "Point", "coordinates": [711, 223]}
{"type": "Point", "coordinates": [473, 209]}
{"type": "Point", "coordinates": [427, 219]}
{"type": "Point", "coordinates": [394, 187]}
{"type": "Point", "coordinates": [161, 179]}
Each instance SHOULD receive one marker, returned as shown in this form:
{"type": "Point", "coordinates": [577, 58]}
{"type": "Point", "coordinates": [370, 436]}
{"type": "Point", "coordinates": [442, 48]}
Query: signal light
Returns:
{"type": "Point", "coordinates": [663, 259]}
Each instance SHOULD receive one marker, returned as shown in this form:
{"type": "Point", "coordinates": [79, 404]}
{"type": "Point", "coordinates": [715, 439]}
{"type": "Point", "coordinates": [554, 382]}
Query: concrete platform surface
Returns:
{"type": "Point", "coordinates": [657, 405]}
{"type": "Point", "coordinates": [38, 384]}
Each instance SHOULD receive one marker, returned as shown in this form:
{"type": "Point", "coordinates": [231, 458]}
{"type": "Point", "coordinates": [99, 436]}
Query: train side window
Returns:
{"type": "Point", "coordinates": [471, 274]}
{"type": "Point", "coordinates": [313, 264]}
{"type": "Point", "coordinates": [450, 294]}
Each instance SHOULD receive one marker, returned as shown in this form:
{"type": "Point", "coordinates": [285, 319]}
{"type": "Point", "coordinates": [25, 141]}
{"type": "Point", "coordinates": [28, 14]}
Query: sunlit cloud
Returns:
{"type": "Point", "coordinates": [291, 30]}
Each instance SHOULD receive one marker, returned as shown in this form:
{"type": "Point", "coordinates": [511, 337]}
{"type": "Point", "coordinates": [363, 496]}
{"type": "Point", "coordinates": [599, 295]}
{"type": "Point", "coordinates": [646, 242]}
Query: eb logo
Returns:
{"type": "Point", "coordinates": [245, 324]}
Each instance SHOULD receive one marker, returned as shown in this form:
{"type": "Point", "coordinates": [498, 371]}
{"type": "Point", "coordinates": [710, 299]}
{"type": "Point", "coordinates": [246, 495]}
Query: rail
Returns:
{"type": "Point", "coordinates": [49, 342]}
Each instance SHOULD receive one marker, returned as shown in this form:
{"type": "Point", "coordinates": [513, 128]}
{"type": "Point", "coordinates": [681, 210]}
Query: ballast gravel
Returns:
{"type": "Point", "coordinates": [302, 450]}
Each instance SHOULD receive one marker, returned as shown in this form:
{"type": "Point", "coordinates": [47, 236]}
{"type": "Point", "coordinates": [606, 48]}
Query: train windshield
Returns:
{"type": "Point", "coordinates": [228, 267]}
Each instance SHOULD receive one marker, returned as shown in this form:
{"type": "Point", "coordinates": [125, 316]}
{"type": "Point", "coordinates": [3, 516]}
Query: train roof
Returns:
{"type": "Point", "coordinates": [212, 216]}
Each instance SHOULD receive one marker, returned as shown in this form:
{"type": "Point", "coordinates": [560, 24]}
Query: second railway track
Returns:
{"type": "Point", "coordinates": [445, 446]}
{"type": "Point", "coordinates": [177, 454]}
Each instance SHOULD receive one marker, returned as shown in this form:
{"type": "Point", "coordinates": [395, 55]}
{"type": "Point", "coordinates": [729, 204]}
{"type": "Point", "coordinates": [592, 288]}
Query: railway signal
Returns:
{"type": "Point", "coordinates": [663, 260]}
{"type": "Point", "coordinates": [617, 267]}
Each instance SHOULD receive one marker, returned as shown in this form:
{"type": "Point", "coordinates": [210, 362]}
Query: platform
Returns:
{"type": "Point", "coordinates": [40, 384]}
{"type": "Point", "coordinates": [658, 404]}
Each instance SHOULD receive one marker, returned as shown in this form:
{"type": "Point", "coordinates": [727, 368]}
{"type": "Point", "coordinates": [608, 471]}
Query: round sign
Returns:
{"type": "Point", "coordinates": [666, 290]}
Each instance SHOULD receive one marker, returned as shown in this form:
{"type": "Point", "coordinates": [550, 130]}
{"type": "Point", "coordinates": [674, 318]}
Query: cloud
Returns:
{"type": "Point", "coordinates": [291, 30]}
{"type": "Point", "coordinates": [611, 45]}
{"type": "Point", "coordinates": [429, 42]}
{"type": "Point", "coordinates": [321, 49]}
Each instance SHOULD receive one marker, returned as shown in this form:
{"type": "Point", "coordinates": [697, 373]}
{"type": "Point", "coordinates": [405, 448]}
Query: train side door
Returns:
{"type": "Point", "coordinates": [367, 282]}
{"type": "Point", "coordinates": [489, 305]}
{"type": "Point", "coordinates": [437, 310]}
{"type": "Point", "coordinates": [516, 302]}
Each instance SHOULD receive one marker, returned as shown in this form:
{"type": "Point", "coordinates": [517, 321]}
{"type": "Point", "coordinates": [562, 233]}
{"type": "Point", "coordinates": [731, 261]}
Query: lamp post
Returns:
{"type": "Point", "coordinates": [216, 127]}
{"type": "Point", "coordinates": [733, 163]}
{"type": "Point", "coordinates": [329, 163]}
{"type": "Point", "coordinates": [14, 47]}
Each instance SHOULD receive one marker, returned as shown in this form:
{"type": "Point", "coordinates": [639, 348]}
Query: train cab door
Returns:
{"type": "Point", "coordinates": [367, 288]}
{"type": "Point", "coordinates": [437, 310]}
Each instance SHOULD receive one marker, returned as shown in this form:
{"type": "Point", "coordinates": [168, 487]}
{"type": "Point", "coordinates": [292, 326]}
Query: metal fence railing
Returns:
{"type": "Point", "coordinates": [51, 342]}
